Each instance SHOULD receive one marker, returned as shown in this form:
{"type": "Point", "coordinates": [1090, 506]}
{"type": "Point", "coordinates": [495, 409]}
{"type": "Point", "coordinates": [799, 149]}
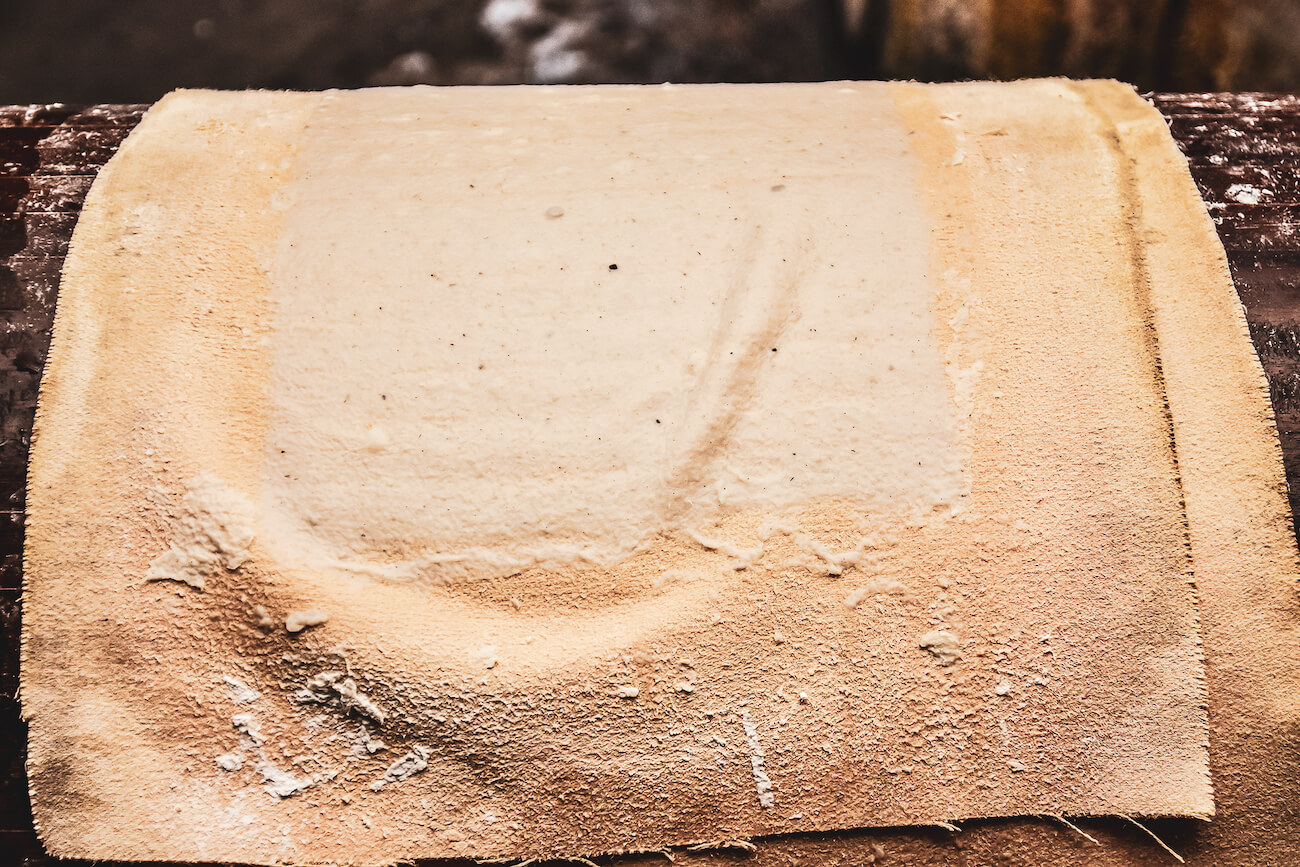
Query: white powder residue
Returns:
{"type": "Point", "coordinates": [880, 585]}
{"type": "Point", "coordinates": [239, 691]}
{"type": "Point", "coordinates": [833, 562]}
{"type": "Point", "coordinates": [246, 725]}
{"type": "Point", "coordinates": [745, 557]}
{"type": "Point", "coordinates": [213, 533]}
{"type": "Point", "coordinates": [331, 687]}
{"type": "Point", "coordinates": [758, 763]}
{"type": "Point", "coordinates": [281, 784]}
{"type": "Point", "coordinates": [297, 621]}
{"type": "Point", "coordinates": [943, 645]}
{"type": "Point", "coordinates": [363, 744]}
{"type": "Point", "coordinates": [353, 699]}
{"type": "Point", "coordinates": [1245, 194]}
{"type": "Point", "coordinates": [404, 768]}
{"type": "Point", "coordinates": [229, 762]}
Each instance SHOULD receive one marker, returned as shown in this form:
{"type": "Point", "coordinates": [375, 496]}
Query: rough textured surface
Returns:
{"type": "Point", "coordinates": [512, 498]}
{"type": "Point", "coordinates": [1247, 830]}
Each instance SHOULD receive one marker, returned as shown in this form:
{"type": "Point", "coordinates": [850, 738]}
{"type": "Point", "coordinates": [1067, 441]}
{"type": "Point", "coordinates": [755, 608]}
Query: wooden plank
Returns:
{"type": "Point", "coordinates": [1269, 287]}
{"type": "Point", "coordinates": [18, 155]}
{"type": "Point", "coordinates": [12, 192]}
{"type": "Point", "coordinates": [45, 172]}
{"type": "Point", "coordinates": [79, 150]}
{"type": "Point", "coordinates": [50, 194]}
{"type": "Point", "coordinates": [57, 114]}
{"type": "Point", "coordinates": [1260, 235]}
{"type": "Point", "coordinates": [35, 115]}
{"type": "Point", "coordinates": [38, 280]}
{"type": "Point", "coordinates": [1239, 216]}
{"type": "Point", "coordinates": [1240, 184]}
{"type": "Point", "coordinates": [1191, 128]}
{"type": "Point", "coordinates": [1235, 105]}
{"type": "Point", "coordinates": [48, 234]}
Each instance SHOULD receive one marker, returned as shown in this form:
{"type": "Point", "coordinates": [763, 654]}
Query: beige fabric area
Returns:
{"type": "Point", "coordinates": [535, 471]}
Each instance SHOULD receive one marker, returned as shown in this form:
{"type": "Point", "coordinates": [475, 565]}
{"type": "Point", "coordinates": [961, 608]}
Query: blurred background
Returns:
{"type": "Point", "coordinates": [86, 51]}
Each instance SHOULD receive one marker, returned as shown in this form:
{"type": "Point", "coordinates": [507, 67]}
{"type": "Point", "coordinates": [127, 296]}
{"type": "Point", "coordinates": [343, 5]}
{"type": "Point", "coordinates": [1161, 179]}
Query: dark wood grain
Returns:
{"type": "Point", "coordinates": [1244, 152]}
{"type": "Point", "coordinates": [49, 156]}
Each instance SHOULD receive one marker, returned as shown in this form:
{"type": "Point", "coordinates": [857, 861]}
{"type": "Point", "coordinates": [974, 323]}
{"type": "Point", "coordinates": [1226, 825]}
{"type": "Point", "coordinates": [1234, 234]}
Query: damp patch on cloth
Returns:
{"type": "Point", "coordinates": [530, 472]}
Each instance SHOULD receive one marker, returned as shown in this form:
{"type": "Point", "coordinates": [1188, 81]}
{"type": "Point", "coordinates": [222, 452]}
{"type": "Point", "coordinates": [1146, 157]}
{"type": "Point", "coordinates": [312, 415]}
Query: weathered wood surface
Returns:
{"type": "Point", "coordinates": [1245, 156]}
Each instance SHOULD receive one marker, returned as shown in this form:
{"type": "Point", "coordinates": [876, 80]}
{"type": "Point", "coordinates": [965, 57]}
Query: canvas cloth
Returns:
{"type": "Point", "coordinates": [539, 471]}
